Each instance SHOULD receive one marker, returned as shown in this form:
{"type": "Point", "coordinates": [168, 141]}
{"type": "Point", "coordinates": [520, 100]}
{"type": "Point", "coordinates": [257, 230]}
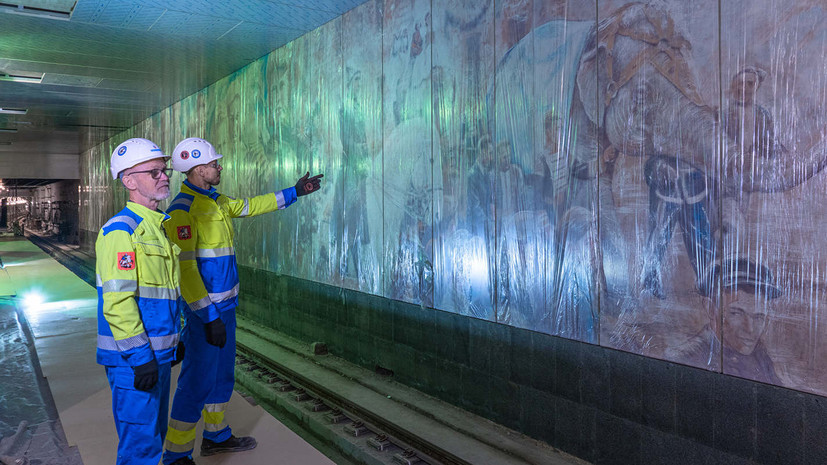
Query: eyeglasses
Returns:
{"type": "Point", "coordinates": [214, 165]}
{"type": "Point", "coordinates": [156, 173]}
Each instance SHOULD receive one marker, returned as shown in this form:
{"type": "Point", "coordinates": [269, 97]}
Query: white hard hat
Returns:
{"type": "Point", "coordinates": [192, 152]}
{"type": "Point", "coordinates": [132, 152]}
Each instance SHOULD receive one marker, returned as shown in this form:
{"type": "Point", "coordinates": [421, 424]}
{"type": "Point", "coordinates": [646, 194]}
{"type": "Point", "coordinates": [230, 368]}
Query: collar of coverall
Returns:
{"type": "Point", "coordinates": [212, 193]}
{"type": "Point", "coordinates": [157, 216]}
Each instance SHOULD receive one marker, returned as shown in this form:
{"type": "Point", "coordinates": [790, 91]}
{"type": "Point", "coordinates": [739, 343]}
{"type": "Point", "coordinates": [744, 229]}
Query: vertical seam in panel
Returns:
{"type": "Point", "coordinates": [721, 148]}
{"type": "Point", "coordinates": [341, 259]}
{"type": "Point", "coordinates": [382, 125]}
{"type": "Point", "coordinates": [598, 251]}
{"type": "Point", "coordinates": [433, 158]}
{"type": "Point", "coordinates": [492, 135]}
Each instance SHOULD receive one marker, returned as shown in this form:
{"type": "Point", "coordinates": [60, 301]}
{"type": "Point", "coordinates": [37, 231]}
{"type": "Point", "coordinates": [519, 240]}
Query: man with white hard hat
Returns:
{"type": "Point", "coordinates": [138, 303]}
{"type": "Point", "coordinates": [201, 226]}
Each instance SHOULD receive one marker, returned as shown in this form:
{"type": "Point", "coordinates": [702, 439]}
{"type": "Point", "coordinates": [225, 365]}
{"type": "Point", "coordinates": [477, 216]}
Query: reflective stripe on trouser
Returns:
{"type": "Point", "coordinates": [196, 393]}
{"type": "Point", "coordinates": [214, 417]}
{"type": "Point", "coordinates": [140, 417]}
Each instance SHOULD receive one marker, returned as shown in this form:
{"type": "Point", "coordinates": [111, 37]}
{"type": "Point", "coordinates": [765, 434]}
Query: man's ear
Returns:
{"type": "Point", "coordinates": [128, 182]}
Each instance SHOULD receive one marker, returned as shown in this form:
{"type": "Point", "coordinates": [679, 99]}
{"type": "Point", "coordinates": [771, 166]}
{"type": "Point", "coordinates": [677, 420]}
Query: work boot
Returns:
{"type": "Point", "coordinates": [233, 444]}
{"type": "Point", "coordinates": [183, 461]}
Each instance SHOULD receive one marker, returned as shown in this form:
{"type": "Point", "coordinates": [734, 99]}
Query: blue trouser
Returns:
{"type": "Point", "coordinates": [205, 383]}
{"type": "Point", "coordinates": [140, 416]}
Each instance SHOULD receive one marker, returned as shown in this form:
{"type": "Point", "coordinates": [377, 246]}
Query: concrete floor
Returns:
{"type": "Point", "coordinates": [63, 323]}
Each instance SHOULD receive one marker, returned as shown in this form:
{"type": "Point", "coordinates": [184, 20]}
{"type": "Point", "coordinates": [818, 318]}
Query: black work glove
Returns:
{"type": "Point", "coordinates": [179, 353]}
{"type": "Point", "coordinates": [216, 332]}
{"type": "Point", "coordinates": [146, 375]}
{"type": "Point", "coordinates": [307, 184]}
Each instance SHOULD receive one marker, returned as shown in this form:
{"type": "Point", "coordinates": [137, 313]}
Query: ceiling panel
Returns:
{"type": "Point", "coordinates": [116, 62]}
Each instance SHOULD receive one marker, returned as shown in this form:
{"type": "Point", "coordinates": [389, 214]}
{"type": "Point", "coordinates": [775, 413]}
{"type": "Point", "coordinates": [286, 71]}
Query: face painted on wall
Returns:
{"type": "Point", "coordinates": [744, 319]}
{"type": "Point", "coordinates": [744, 86]}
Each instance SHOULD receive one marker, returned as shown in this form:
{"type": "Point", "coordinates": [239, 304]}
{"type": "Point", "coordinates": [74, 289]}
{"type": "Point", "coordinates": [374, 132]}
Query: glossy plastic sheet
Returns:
{"type": "Point", "coordinates": [643, 176]}
{"type": "Point", "coordinates": [360, 131]}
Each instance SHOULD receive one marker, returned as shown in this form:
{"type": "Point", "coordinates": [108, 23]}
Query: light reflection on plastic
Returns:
{"type": "Point", "coordinates": [33, 300]}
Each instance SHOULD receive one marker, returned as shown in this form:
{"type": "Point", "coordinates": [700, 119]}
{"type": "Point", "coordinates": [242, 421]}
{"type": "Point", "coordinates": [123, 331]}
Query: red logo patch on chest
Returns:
{"type": "Point", "coordinates": [184, 232]}
{"type": "Point", "coordinates": [126, 260]}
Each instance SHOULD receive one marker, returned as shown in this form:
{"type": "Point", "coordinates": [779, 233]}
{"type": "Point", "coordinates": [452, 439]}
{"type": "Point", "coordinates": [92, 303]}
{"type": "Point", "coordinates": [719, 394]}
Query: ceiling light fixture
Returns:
{"type": "Point", "coordinates": [34, 11]}
{"type": "Point", "coordinates": [14, 111]}
{"type": "Point", "coordinates": [31, 78]}
{"type": "Point", "coordinates": [8, 129]}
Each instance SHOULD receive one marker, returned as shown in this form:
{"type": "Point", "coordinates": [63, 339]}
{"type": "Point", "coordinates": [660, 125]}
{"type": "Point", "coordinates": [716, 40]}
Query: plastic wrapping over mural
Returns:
{"type": "Point", "coordinates": [644, 176]}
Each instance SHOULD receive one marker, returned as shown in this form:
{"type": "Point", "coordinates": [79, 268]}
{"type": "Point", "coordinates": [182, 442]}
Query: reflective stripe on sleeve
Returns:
{"type": "Point", "coordinates": [119, 285]}
{"type": "Point", "coordinates": [109, 342]}
{"type": "Point", "coordinates": [186, 255]}
{"type": "Point", "coordinates": [180, 203]}
{"type": "Point", "coordinates": [222, 296]}
{"type": "Point", "coordinates": [246, 210]}
{"type": "Point", "coordinates": [164, 342]}
{"type": "Point", "coordinates": [156, 342]}
{"type": "Point", "coordinates": [280, 201]}
{"type": "Point", "coordinates": [213, 253]}
{"type": "Point", "coordinates": [122, 219]}
{"type": "Point", "coordinates": [158, 293]}
{"type": "Point", "coordinates": [200, 304]}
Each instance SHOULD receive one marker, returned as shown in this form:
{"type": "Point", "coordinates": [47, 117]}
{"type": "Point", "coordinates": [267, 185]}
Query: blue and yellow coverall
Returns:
{"type": "Point", "coordinates": [138, 319]}
{"type": "Point", "coordinates": [201, 226]}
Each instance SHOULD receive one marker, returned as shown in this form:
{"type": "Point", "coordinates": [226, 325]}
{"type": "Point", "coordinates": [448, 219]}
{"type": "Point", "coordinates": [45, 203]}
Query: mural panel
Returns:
{"type": "Point", "coordinates": [301, 256]}
{"type": "Point", "coordinates": [463, 65]}
{"type": "Point", "coordinates": [360, 131]}
{"type": "Point", "coordinates": [408, 152]}
{"type": "Point", "coordinates": [773, 120]}
{"type": "Point", "coordinates": [325, 156]}
{"type": "Point", "coordinates": [279, 81]}
{"type": "Point", "coordinates": [253, 168]}
{"type": "Point", "coordinates": [655, 170]}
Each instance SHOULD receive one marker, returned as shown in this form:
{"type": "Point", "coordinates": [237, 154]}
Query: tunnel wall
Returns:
{"type": "Point", "coordinates": [491, 169]}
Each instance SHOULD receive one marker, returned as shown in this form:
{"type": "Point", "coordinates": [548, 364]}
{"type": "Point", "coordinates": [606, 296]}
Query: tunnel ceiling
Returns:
{"type": "Point", "coordinates": [23, 183]}
{"type": "Point", "coordinates": [95, 67]}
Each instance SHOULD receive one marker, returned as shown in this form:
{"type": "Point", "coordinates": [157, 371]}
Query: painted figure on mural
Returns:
{"type": "Point", "coordinates": [746, 123]}
{"type": "Point", "coordinates": [747, 300]}
{"type": "Point", "coordinates": [633, 94]}
{"type": "Point", "coordinates": [664, 119]}
{"type": "Point", "coordinates": [516, 21]}
{"type": "Point", "coordinates": [409, 184]}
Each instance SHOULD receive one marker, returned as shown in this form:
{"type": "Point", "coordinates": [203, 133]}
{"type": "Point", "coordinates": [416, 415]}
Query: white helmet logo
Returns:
{"type": "Point", "coordinates": [121, 151]}
{"type": "Point", "coordinates": [192, 152]}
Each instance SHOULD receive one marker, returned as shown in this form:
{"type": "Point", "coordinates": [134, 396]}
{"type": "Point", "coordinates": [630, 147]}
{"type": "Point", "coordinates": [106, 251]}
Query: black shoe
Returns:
{"type": "Point", "coordinates": [183, 461]}
{"type": "Point", "coordinates": [233, 444]}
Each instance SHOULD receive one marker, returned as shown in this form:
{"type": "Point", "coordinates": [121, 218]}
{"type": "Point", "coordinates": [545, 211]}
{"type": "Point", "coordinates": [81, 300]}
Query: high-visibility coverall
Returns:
{"type": "Point", "coordinates": [201, 226]}
{"type": "Point", "coordinates": [138, 319]}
